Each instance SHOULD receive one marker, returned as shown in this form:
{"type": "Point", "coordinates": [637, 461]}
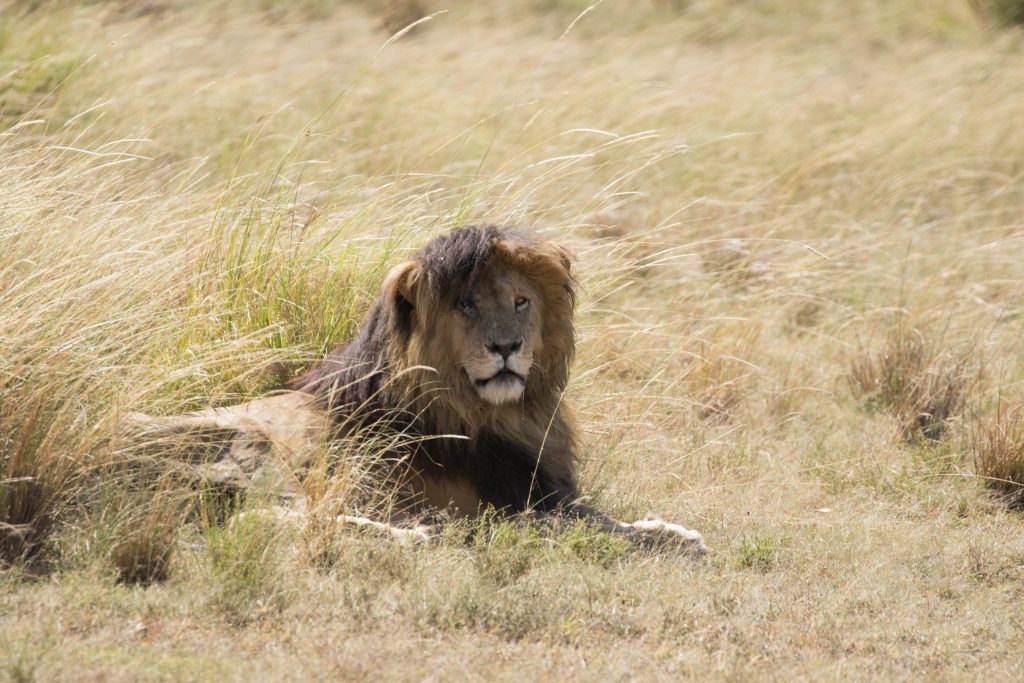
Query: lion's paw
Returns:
{"type": "Point", "coordinates": [657, 530]}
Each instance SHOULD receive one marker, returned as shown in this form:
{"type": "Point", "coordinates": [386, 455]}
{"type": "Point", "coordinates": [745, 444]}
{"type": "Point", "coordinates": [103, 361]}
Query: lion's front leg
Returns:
{"type": "Point", "coordinates": [652, 531]}
{"type": "Point", "coordinates": [405, 532]}
{"type": "Point", "coordinates": [654, 528]}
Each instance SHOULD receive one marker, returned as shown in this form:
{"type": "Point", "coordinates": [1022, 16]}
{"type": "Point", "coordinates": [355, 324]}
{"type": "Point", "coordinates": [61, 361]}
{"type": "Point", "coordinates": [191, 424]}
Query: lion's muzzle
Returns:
{"type": "Point", "coordinates": [505, 382]}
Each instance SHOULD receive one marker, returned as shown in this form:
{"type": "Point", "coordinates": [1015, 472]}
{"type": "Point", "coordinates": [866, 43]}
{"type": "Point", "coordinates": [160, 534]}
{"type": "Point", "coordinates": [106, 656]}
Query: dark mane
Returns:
{"type": "Point", "coordinates": [351, 378]}
{"type": "Point", "coordinates": [451, 260]}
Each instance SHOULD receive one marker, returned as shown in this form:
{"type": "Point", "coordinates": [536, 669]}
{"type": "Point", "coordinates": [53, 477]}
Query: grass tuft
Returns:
{"type": "Point", "coordinates": [246, 567]}
{"type": "Point", "coordinates": [505, 550]}
{"type": "Point", "coordinates": [917, 378]}
{"type": "Point", "coordinates": [758, 553]}
{"type": "Point", "coordinates": [999, 456]}
{"type": "Point", "coordinates": [593, 546]}
{"type": "Point", "coordinates": [146, 537]}
{"type": "Point", "coordinates": [34, 485]}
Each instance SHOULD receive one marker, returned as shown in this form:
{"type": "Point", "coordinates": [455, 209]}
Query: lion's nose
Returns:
{"type": "Point", "coordinates": [505, 350]}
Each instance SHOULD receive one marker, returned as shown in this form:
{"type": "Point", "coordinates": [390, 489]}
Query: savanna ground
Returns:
{"type": "Point", "coordinates": [801, 248]}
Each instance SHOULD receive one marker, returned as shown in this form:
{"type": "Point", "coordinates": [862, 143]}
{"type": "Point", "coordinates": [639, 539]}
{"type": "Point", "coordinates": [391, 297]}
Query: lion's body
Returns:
{"type": "Point", "coordinates": [413, 367]}
{"type": "Point", "coordinates": [466, 354]}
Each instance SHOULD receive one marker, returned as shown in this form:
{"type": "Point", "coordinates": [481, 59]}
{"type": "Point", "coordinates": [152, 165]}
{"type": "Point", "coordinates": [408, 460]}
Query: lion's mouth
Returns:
{"type": "Point", "coordinates": [505, 375]}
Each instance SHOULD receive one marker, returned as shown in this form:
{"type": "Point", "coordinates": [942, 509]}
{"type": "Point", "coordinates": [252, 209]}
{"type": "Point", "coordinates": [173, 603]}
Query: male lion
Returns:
{"type": "Point", "coordinates": [466, 352]}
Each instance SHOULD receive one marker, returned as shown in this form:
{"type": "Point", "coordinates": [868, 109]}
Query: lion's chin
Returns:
{"type": "Point", "coordinates": [505, 387]}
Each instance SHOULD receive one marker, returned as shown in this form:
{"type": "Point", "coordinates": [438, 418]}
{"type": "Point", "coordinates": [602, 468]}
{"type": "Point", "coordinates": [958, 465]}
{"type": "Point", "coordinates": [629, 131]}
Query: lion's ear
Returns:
{"type": "Point", "coordinates": [399, 289]}
{"type": "Point", "coordinates": [402, 280]}
{"type": "Point", "coordinates": [565, 257]}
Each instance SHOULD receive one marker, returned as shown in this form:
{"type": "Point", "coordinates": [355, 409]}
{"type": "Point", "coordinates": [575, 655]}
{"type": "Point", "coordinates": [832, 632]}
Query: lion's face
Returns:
{"type": "Point", "coordinates": [494, 329]}
{"type": "Point", "coordinates": [491, 313]}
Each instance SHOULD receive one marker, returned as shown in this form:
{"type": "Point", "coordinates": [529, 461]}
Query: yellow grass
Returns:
{"type": "Point", "coordinates": [199, 198]}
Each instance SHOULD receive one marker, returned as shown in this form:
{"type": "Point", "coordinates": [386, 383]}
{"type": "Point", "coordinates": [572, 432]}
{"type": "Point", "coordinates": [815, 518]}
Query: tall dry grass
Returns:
{"type": "Point", "coordinates": [197, 199]}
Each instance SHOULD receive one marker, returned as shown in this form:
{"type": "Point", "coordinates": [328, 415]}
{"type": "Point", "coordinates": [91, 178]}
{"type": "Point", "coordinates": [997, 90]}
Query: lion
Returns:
{"type": "Point", "coordinates": [466, 352]}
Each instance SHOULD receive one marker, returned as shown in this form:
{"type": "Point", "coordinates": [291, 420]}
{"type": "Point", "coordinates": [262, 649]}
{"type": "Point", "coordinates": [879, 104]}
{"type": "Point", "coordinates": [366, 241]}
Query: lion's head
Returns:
{"type": "Point", "coordinates": [489, 310]}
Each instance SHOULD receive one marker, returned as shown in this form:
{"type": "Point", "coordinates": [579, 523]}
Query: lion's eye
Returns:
{"type": "Point", "coordinates": [521, 303]}
{"type": "Point", "coordinates": [466, 305]}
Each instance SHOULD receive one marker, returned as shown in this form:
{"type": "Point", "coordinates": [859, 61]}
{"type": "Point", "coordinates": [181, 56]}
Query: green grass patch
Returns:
{"type": "Point", "coordinates": [246, 567]}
